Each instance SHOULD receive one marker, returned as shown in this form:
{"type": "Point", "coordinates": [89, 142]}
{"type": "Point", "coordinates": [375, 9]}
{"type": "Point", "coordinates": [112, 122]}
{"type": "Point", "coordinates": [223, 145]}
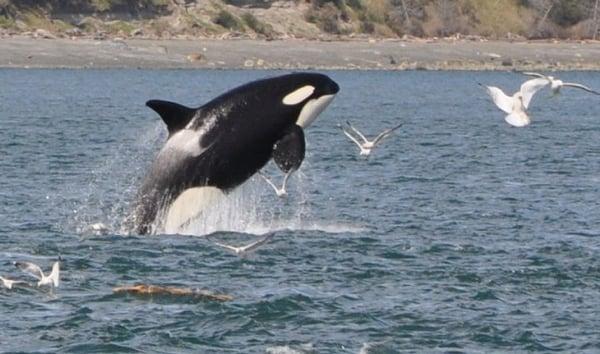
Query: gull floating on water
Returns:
{"type": "Point", "coordinates": [9, 283]}
{"type": "Point", "coordinates": [367, 146]}
{"type": "Point", "coordinates": [240, 251]}
{"type": "Point", "coordinates": [281, 192]}
{"type": "Point", "coordinates": [556, 84]}
{"type": "Point", "coordinates": [516, 105]}
{"type": "Point", "coordinates": [36, 271]}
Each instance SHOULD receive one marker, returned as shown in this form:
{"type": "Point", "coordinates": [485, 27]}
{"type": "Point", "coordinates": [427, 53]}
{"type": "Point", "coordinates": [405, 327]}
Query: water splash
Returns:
{"type": "Point", "coordinates": [107, 195]}
{"type": "Point", "coordinates": [252, 208]}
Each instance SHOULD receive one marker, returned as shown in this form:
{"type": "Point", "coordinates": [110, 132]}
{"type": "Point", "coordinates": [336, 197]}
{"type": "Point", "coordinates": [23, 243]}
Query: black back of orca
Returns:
{"type": "Point", "coordinates": [227, 140]}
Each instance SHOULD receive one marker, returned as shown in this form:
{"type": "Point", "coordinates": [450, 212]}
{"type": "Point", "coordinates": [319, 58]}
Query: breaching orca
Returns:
{"type": "Point", "coordinates": [212, 149]}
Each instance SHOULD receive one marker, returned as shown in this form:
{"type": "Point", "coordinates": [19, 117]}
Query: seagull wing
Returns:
{"type": "Point", "coordinates": [579, 86]}
{"type": "Point", "coordinates": [255, 245]}
{"type": "Point", "coordinates": [384, 134]}
{"type": "Point", "coordinates": [9, 283]}
{"type": "Point", "coordinates": [541, 76]}
{"type": "Point", "coordinates": [231, 248]}
{"type": "Point", "coordinates": [357, 132]}
{"type": "Point", "coordinates": [32, 269]}
{"type": "Point", "coordinates": [285, 179]}
{"type": "Point", "coordinates": [268, 180]}
{"type": "Point", "coordinates": [352, 138]}
{"type": "Point", "coordinates": [501, 100]}
{"type": "Point", "coordinates": [530, 87]}
{"type": "Point", "coordinates": [55, 274]}
{"type": "Point", "coordinates": [6, 282]}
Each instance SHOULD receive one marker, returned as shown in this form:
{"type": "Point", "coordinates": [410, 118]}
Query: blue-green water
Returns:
{"type": "Point", "coordinates": [459, 234]}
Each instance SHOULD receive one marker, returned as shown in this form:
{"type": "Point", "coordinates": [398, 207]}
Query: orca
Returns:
{"type": "Point", "coordinates": [212, 149]}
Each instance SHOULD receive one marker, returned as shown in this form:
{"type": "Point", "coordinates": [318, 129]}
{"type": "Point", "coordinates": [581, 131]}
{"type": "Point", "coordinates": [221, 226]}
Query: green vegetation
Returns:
{"type": "Point", "coordinates": [489, 18]}
{"type": "Point", "coordinates": [6, 22]}
{"type": "Point", "coordinates": [107, 5]}
{"type": "Point", "coordinates": [257, 26]}
{"type": "Point", "coordinates": [119, 27]}
{"type": "Point", "coordinates": [226, 19]}
{"type": "Point", "coordinates": [379, 18]}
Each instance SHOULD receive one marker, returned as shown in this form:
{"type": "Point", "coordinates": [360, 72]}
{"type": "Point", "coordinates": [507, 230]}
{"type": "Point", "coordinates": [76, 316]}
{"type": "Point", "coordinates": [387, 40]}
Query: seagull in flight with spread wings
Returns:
{"type": "Point", "coordinates": [34, 270]}
{"type": "Point", "coordinates": [556, 84]}
{"type": "Point", "coordinates": [516, 105]}
{"type": "Point", "coordinates": [281, 192]}
{"type": "Point", "coordinates": [243, 250]}
{"type": "Point", "coordinates": [368, 145]}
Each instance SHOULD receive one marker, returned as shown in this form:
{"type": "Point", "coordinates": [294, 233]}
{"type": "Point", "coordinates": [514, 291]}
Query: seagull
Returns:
{"type": "Point", "coordinates": [240, 251]}
{"type": "Point", "coordinates": [366, 146]}
{"type": "Point", "coordinates": [556, 84]}
{"type": "Point", "coordinates": [281, 192]}
{"type": "Point", "coordinates": [516, 105]}
{"type": "Point", "coordinates": [9, 283]}
{"type": "Point", "coordinates": [36, 271]}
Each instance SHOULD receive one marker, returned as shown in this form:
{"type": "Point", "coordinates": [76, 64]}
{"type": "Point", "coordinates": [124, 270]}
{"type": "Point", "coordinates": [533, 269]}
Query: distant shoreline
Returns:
{"type": "Point", "coordinates": [294, 54]}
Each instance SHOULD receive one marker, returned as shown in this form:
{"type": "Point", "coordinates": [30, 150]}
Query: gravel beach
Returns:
{"type": "Point", "coordinates": [445, 54]}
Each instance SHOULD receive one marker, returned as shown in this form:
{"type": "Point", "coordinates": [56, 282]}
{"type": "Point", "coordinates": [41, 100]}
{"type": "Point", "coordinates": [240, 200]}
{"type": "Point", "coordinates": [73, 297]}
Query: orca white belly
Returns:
{"type": "Point", "coordinates": [190, 205]}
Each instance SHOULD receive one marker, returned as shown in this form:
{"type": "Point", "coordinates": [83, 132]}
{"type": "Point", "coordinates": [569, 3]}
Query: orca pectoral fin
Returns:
{"type": "Point", "coordinates": [175, 116]}
{"type": "Point", "coordinates": [288, 152]}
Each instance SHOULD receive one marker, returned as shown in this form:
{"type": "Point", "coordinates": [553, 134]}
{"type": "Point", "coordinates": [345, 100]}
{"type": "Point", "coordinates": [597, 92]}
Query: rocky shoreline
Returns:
{"type": "Point", "coordinates": [294, 54]}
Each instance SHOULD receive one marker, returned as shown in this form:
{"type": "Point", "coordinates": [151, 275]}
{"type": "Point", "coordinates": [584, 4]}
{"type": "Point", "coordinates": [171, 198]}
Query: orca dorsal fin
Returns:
{"type": "Point", "coordinates": [288, 152]}
{"type": "Point", "coordinates": [175, 116]}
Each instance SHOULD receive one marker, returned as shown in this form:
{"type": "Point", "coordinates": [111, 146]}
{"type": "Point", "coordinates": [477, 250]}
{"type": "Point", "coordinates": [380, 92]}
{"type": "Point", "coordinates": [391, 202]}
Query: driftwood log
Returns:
{"type": "Point", "coordinates": [146, 289]}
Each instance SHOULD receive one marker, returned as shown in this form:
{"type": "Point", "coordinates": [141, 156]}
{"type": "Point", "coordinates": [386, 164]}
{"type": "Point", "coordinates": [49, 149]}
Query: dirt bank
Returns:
{"type": "Point", "coordinates": [26, 52]}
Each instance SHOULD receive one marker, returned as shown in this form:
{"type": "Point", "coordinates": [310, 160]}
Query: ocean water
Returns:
{"type": "Point", "coordinates": [458, 234]}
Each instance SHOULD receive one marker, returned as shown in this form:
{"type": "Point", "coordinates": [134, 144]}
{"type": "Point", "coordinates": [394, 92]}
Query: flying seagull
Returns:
{"type": "Point", "coordinates": [556, 84]}
{"type": "Point", "coordinates": [368, 145]}
{"type": "Point", "coordinates": [281, 192]}
{"type": "Point", "coordinates": [240, 251]}
{"type": "Point", "coordinates": [9, 283]}
{"type": "Point", "coordinates": [516, 105]}
{"type": "Point", "coordinates": [35, 271]}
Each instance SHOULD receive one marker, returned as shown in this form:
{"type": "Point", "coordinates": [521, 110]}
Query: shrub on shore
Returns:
{"type": "Point", "coordinates": [488, 18]}
{"type": "Point", "coordinates": [535, 19]}
{"type": "Point", "coordinates": [228, 20]}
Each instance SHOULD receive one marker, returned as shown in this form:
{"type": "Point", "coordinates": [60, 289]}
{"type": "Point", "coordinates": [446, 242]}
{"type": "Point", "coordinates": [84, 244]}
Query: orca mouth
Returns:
{"type": "Point", "coordinates": [313, 108]}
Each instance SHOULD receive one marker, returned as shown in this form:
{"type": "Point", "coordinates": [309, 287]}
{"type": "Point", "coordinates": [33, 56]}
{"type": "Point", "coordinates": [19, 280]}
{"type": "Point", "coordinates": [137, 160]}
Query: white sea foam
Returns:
{"type": "Point", "coordinates": [282, 350]}
{"type": "Point", "coordinates": [285, 349]}
{"type": "Point", "coordinates": [253, 209]}
{"type": "Point", "coordinates": [106, 198]}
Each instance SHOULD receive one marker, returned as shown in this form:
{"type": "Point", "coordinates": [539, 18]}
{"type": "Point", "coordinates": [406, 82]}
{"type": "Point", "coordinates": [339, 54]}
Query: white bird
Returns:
{"type": "Point", "coordinates": [516, 105]}
{"type": "Point", "coordinates": [9, 283]}
{"type": "Point", "coordinates": [33, 269]}
{"type": "Point", "coordinates": [556, 84]}
{"type": "Point", "coordinates": [281, 192]}
{"type": "Point", "coordinates": [240, 251]}
{"type": "Point", "coordinates": [367, 146]}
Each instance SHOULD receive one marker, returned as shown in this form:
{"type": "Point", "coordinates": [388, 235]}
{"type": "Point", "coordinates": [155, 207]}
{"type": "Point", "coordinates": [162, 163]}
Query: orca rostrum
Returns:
{"type": "Point", "coordinates": [212, 149]}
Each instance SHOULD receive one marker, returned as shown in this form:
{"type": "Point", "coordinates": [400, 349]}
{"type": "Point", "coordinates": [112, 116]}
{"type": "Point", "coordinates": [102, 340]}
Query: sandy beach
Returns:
{"type": "Point", "coordinates": [27, 52]}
